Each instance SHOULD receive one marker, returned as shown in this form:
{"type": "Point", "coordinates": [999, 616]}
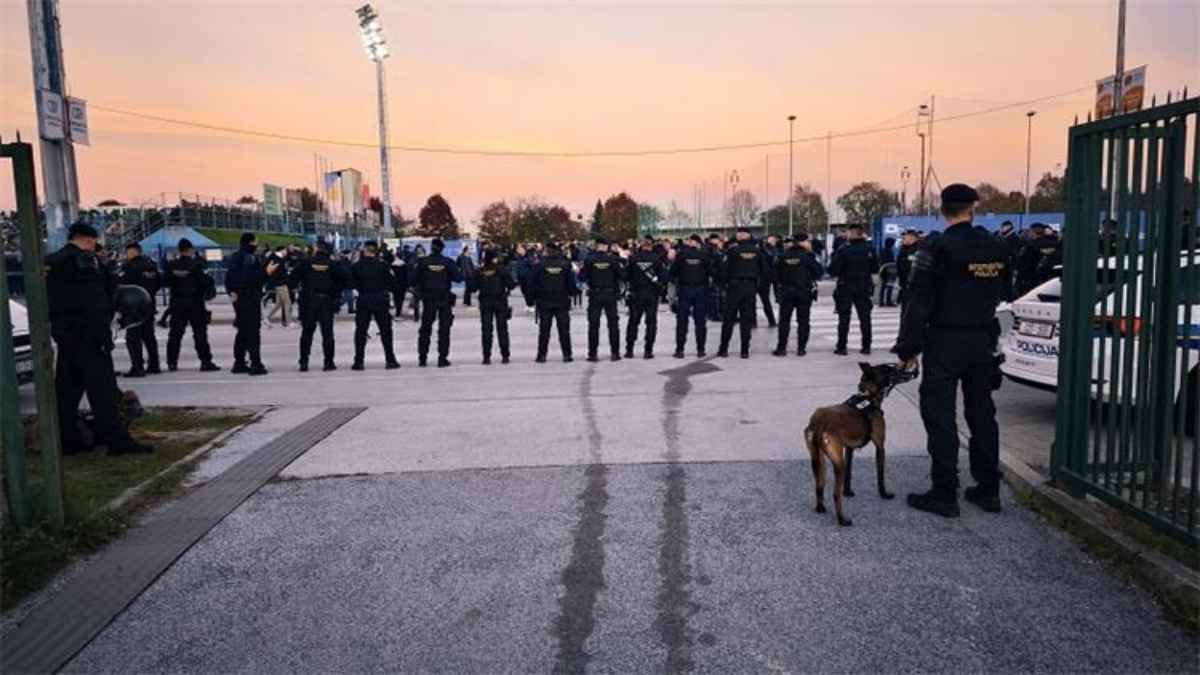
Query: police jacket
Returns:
{"type": "Point", "coordinates": [853, 264]}
{"type": "Point", "coordinates": [797, 270]}
{"type": "Point", "coordinates": [904, 262]}
{"type": "Point", "coordinates": [373, 278]}
{"type": "Point", "coordinates": [493, 282]}
{"type": "Point", "coordinates": [79, 298]}
{"type": "Point", "coordinates": [956, 282]}
{"type": "Point", "coordinates": [245, 275]}
{"type": "Point", "coordinates": [320, 277]}
{"type": "Point", "coordinates": [141, 271]}
{"type": "Point", "coordinates": [189, 284]}
{"type": "Point", "coordinates": [602, 273]}
{"type": "Point", "coordinates": [553, 282]}
{"type": "Point", "coordinates": [691, 268]}
{"type": "Point", "coordinates": [1038, 260]}
{"type": "Point", "coordinates": [432, 276]}
{"type": "Point", "coordinates": [745, 264]}
{"type": "Point", "coordinates": [647, 274]}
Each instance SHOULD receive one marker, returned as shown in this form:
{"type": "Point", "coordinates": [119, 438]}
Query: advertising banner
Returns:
{"type": "Point", "coordinates": [1133, 93]}
{"type": "Point", "coordinates": [272, 200]}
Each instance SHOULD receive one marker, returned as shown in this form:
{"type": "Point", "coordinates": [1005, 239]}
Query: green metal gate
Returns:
{"type": "Point", "coordinates": [1128, 399]}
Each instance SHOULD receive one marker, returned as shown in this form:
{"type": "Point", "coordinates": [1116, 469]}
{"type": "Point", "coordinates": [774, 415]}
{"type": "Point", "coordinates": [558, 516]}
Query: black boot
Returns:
{"type": "Point", "coordinates": [988, 500]}
{"type": "Point", "coordinates": [941, 502]}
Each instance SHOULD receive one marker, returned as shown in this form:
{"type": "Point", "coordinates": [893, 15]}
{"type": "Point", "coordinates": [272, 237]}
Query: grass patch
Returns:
{"type": "Point", "coordinates": [231, 238]}
{"type": "Point", "coordinates": [32, 556]}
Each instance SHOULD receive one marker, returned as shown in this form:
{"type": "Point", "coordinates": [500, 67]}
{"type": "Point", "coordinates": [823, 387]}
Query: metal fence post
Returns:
{"type": "Point", "coordinates": [16, 480]}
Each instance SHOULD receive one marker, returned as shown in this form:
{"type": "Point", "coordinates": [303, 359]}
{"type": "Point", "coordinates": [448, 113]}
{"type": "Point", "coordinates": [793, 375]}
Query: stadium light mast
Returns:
{"type": "Point", "coordinates": [1028, 157]}
{"type": "Point", "coordinates": [791, 175]}
{"type": "Point", "coordinates": [377, 51]}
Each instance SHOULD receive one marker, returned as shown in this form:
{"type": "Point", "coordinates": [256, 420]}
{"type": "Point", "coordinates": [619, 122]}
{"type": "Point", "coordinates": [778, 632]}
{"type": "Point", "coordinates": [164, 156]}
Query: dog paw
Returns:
{"type": "Point", "coordinates": [847, 492]}
{"type": "Point", "coordinates": [845, 522]}
{"type": "Point", "coordinates": [820, 508]}
{"type": "Point", "coordinates": [886, 495]}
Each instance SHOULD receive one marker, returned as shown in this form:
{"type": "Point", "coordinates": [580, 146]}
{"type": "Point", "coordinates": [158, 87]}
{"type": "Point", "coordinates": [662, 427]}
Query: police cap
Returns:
{"type": "Point", "coordinates": [857, 227]}
{"type": "Point", "coordinates": [82, 229]}
{"type": "Point", "coordinates": [696, 238]}
{"type": "Point", "coordinates": [959, 193]}
{"type": "Point", "coordinates": [745, 230]}
{"type": "Point", "coordinates": [247, 238]}
{"type": "Point", "coordinates": [133, 246]}
{"type": "Point", "coordinates": [437, 245]}
{"type": "Point", "coordinates": [370, 243]}
{"type": "Point", "coordinates": [601, 239]}
{"type": "Point", "coordinates": [800, 237]}
{"type": "Point", "coordinates": [185, 244]}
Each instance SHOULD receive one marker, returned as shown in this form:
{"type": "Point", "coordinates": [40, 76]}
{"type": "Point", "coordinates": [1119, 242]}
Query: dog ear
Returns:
{"type": "Point", "coordinates": [866, 367]}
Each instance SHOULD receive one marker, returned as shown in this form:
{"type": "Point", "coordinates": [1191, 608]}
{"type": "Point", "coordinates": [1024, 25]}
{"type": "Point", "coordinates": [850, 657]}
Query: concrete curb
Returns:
{"type": "Point", "coordinates": [1163, 572]}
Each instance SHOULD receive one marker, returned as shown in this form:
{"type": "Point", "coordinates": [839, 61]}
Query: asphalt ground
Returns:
{"type": "Point", "coordinates": [612, 517]}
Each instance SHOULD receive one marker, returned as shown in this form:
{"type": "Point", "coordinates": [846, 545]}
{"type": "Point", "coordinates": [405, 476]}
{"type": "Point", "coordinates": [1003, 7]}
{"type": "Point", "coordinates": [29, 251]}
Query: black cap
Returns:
{"type": "Point", "coordinates": [1039, 226]}
{"type": "Point", "coordinates": [910, 232]}
{"type": "Point", "coordinates": [247, 237]}
{"type": "Point", "coordinates": [745, 229]}
{"type": "Point", "coordinates": [82, 229]}
{"type": "Point", "coordinates": [370, 243]}
{"type": "Point", "coordinates": [185, 244]}
{"type": "Point", "coordinates": [437, 245]}
{"type": "Point", "coordinates": [959, 193]}
{"type": "Point", "coordinates": [696, 238]}
{"type": "Point", "coordinates": [1007, 222]}
{"type": "Point", "coordinates": [856, 226]}
{"type": "Point", "coordinates": [133, 245]}
{"type": "Point", "coordinates": [601, 239]}
{"type": "Point", "coordinates": [552, 245]}
{"type": "Point", "coordinates": [648, 238]}
{"type": "Point", "coordinates": [800, 237]}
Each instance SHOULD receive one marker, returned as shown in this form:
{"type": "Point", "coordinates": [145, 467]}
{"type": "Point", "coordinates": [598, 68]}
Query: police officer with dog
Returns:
{"type": "Point", "coordinates": [957, 282]}
{"type": "Point", "coordinates": [647, 276]}
{"type": "Point", "coordinates": [375, 280]}
{"type": "Point", "coordinates": [691, 272]}
{"type": "Point", "coordinates": [602, 273]}
{"type": "Point", "coordinates": [320, 280]}
{"type": "Point", "coordinates": [853, 264]}
{"type": "Point", "coordinates": [797, 271]}
{"type": "Point", "coordinates": [190, 288]}
{"type": "Point", "coordinates": [432, 277]}
{"type": "Point", "coordinates": [141, 271]}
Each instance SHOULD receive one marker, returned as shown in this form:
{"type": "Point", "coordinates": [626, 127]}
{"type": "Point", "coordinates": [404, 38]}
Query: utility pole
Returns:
{"type": "Point", "coordinates": [921, 200]}
{"type": "Point", "coordinates": [829, 172]}
{"type": "Point", "coordinates": [1028, 161]}
{"type": "Point", "coordinates": [767, 195]}
{"type": "Point", "coordinates": [905, 174]}
{"type": "Point", "coordinates": [1118, 109]}
{"type": "Point", "coordinates": [57, 154]}
{"type": "Point", "coordinates": [791, 202]}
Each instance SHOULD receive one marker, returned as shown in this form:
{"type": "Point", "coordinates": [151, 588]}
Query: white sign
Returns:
{"type": "Point", "coordinates": [891, 228]}
{"type": "Point", "coordinates": [77, 114]}
{"type": "Point", "coordinates": [50, 115]}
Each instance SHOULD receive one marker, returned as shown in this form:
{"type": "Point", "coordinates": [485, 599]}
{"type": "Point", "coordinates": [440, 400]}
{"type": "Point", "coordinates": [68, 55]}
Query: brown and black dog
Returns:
{"type": "Point", "coordinates": [89, 436]}
{"type": "Point", "coordinates": [836, 431]}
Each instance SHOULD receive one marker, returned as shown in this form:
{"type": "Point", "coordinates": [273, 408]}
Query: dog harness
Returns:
{"type": "Point", "coordinates": [865, 407]}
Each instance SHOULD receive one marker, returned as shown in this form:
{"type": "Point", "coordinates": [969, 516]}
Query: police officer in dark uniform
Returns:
{"type": "Point", "coordinates": [853, 264]}
{"type": "Point", "coordinates": [1012, 246]}
{"type": "Point", "coordinates": [139, 270]}
{"type": "Point", "coordinates": [1042, 253]}
{"type": "Point", "coordinates": [647, 273]}
{"type": "Point", "coordinates": [492, 282]}
{"type": "Point", "coordinates": [432, 277]}
{"type": "Point", "coordinates": [190, 287]}
{"type": "Point", "coordinates": [602, 273]}
{"type": "Point", "coordinates": [909, 245]}
{"type": "Point", "coordinates": [320, 280]}
{"type": "Point", "coordinates": [244, 282]}
{"type": "Point", "coordinates": [552, 285]}
{"type": "Point", "coordinates": [744, 269]}
{"type": "Point", "coordinates": [770, 250]}
{"type": "Point", "coordinates": [796, 270]}
{"type": "Point", "coordinates": [691, 272]}
{"type": "Point", "coordinates": [374, 280]}
{"type": "Point", "coordinates": [81, 310]}
{"type": "Point", "coordinates": [957, 282]}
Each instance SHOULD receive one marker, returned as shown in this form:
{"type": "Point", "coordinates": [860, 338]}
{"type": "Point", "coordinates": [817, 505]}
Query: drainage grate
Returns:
{"type": "Point", "coordinates": [55, 632]}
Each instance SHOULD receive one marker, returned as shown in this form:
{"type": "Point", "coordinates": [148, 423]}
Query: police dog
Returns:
{"type": "Point", "coordinates": [836, 431]}
{"type": "Point", "coordinates": [85, 424]}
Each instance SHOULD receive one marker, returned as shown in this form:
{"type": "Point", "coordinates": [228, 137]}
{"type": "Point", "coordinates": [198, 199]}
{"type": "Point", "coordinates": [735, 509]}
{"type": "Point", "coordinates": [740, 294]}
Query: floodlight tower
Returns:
{"type": "Point", "coordinates": [377, 51]}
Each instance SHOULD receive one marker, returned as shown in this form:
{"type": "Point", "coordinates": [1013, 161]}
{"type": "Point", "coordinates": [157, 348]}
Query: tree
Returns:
{"type": "Point", "coordinates": [1050, 195]}
{"type": "Point", "coordinates": [650, 217]}
{"type": "Point", "coordinates": [866, 202]}
{"type": "Point", "coordinates": [809, 208]}
{"type": "Point", "coordinates": [247, 199]}
{"type": "Point", "coordinates": [436, 219]}
{"type": "Point", "coordinates": [775, 219]}
{"type": "Point", "coordinates": [535, 220]}
{"type": "Point", "coordinates": [597, 225]}
{"type": "Point", "coordinates": [741, 209]}
{"type": "Point", "coordinates": [310, 202]}
{"type": "Point", "coordinates": [676, 219]}
{"type": "Point", "coordinates": [620, 217]}
{"type": "Point", "coordinates": [496, 224]}
{"type": "Point", "coordinates": [109, 203]}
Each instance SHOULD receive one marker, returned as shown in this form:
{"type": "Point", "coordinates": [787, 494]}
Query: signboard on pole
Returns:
{"type": "Point", "coordinates": [1133, 93]}
{"type": "Point", "coordinates": [272, 200]}
{"type": "Point", "coordinates": [293, 200]}
{"type": "Point", "coordinates": [77, 114]}
{"type": "Point", "coordinates": [51, 120]}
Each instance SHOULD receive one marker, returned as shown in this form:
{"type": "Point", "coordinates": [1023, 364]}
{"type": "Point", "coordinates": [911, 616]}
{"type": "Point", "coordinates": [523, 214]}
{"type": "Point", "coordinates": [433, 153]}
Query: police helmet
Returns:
{"type": "Point", "coordinates": [133, 306]}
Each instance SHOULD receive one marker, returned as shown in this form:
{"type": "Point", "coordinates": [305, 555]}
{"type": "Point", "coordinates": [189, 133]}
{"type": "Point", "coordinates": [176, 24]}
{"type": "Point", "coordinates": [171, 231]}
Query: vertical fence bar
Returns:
{"type": "Point", "coordinates": [1135, 205]}
{"type": "Point", "coordinates": [1194, 342]}
{"type": "Point", "coordinates": [1149, 282]}
{"type": "Point", "coordinates": [1166, 331]}
{"type": "Point", "coordinates": [15, 478]}
{"type": "Point", "coordinates": [1115, 277]}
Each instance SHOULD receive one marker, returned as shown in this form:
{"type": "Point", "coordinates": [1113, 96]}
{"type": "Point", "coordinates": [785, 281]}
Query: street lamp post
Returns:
{"type": "Point", "coordinates": [905, 174]}
{"type": "Point", "coordinates": [1028, 157]}
{"type": "Point", "coordinates": [377, 51]}
{"type": "Point", "coordinates": [791, 175]}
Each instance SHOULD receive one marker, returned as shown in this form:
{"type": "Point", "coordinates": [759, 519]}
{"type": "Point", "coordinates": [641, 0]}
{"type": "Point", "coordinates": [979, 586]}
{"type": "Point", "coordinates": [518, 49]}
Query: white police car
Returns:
{"type": "Point", "coordinates": [1031, 347]}
{"type": "Point", "coordinates": [21, 342]}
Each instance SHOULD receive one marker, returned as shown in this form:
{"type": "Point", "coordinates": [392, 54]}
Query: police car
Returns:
{"type": "Point", "coordinates": [1031, 347]}
{"type": "Point", "coordinates": [24, 348]}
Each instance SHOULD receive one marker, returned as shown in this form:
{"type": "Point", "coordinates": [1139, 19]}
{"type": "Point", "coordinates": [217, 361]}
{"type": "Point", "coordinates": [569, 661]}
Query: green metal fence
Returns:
{"type": "Point", "coordinates": [1129, 379]}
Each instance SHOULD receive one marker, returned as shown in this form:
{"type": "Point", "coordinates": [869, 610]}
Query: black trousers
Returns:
{"type": "Point", "coordinates": [247, 320]}
{"type": "Point", "coordinates": [764, 294]}
{"type": "Point", "coordinates": [84, 368]}
{"type": "Point", "coordinates": [858, 299]}
{"type": "Point", "coordinates": [794, 302]}
{"type": "Point", "coordinates": [317, 312]}
{"type": "Point", "coordinates": [642, 309]}
{"type": "Point", "coordinates": [953, 357]}
{"type": "Point", "coordinates": [602, 302]}
{"type": "Point", "coordinates": [739, 310]}
{"type": "Point", "coordinates": [142, 337]}
{"type": "Point", "coordinates": [443, 314]}
{"type": "Point", "coordinates": [180, 319]}
{"type": "Point", "coordinates": [373, 309]}
{"type": "Point", "coordinates": [494, 319]}
{"type": "Point", "coordinates": [560, 316]}
{"type": "Point", "coordinates": [692, 304]}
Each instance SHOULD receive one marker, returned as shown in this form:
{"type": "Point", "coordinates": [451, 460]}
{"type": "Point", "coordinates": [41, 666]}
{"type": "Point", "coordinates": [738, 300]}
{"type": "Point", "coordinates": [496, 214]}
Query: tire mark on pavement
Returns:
{"type": "Point", "coordinates": [675, 603]}
{"type": "Point", "coordinates": [583, 579]}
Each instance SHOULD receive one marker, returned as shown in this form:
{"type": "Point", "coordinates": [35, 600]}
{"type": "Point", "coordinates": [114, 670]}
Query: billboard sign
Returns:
{"type": "Point", "coordinates": [51, 116]}
{"type": "Point", "coordinates": [272, 200]}
{"type": "Point", "coordinates": [1133, 93]}
{"type": "Point", "coordinates": [77, 115]}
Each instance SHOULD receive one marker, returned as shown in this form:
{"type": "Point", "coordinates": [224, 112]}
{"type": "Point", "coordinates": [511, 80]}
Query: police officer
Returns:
{"type": "Point", "coordinates": [432, 277]}
{"type": "Point", "coordinates": [492, 282]}
{"type": "Point", "coordinates": [691, 272]}
{"type": "Point", "coordinates": [796, 270]}
{"type": "Point", "coordinates": [1042, 253]}
{"type": "Point", "coordinates": [647, 275]}
{"type": "Point", "coordinates": [1012, 247]}
{"type": "Point", "coordinates": [745, 268]}
{"type": "Point", "coordinates": [320, 280]}
{"type": "Point", "coordinates": [602, 274]}
{"type": "Point", "coordinates": [853, 264]}
{"type": "Point", "coordinates": [770, 250]}
{"type": "Point", "coordinates": [909, 244]}
{"type": "Point", "coordinates": [139, 270]}
{"type": "Point", "coordinates": [190, 287]}
{"type": "Point", "coordinates": [244, 282]}
{"type": "Point", "coordinates": [81, 310]}
{"type": "Point", "coordinates": [552, 285]}
{"type": "Point", "coordinates": [957, 282]}
{"type": "Point", "coordinates": [375, 280]}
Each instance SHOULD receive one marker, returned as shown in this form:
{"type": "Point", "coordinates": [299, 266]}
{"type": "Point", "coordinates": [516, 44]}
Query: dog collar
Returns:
{"type": "Point", "coordinates": [865, 407]}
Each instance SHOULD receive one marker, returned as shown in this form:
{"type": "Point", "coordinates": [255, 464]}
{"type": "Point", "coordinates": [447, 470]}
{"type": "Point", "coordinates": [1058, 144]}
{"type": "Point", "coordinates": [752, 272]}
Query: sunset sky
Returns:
{"type": "Point", "coordinates": [566, 76]}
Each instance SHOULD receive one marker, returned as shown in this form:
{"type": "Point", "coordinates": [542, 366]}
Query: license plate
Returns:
{"type": "Point", "coordinates": [1032, 329]}
{"type": "Point", "coordinates": [24, 367]}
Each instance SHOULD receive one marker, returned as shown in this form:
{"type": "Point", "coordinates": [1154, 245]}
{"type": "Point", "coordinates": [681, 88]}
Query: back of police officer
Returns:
{"type": "Point", "coordinates": [81, 310]}
{"type": "Point", "coordinates": [432, 276]}
{"type": "Point", "coordinates": [1038, 259]}
{"type": "Point", "coordinates": [957, 281]}
{"type": "Point", "coordinates": [691, 272]}
{"type": "Point", "coordinates": [647, 275]}
{"type": "Point", "coordinates": [909, 245]}
{"type": "Point", "coordinates": [745, 268]}
{"type": "Point", "coordinates": [551, 286]}
{"type": "Point", "coordinates": [141, 271]}
{"type": "Point", "coordinates": [320, 280]}
{"type": "Point", "coordinates": [244, 281]}
{"type": "Point", "coordinates": [190, 287]}
{"type": "Point", "coordinates": [853, 264]}
{"type": "Point", "coordinates": [602, 274]}
{"type": "Point", "coordinates": [492, 281]}
{"type": "Point", "coordinates": [796, 271]}
{"type": "Point", "coordinates": [374, 279]}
